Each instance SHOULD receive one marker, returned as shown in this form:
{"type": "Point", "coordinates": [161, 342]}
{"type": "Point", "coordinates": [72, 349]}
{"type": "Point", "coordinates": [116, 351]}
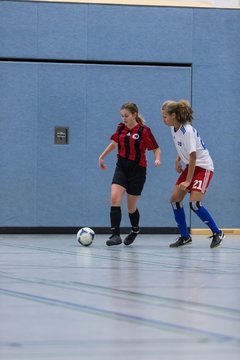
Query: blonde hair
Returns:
{"type": "Point", "coordinates": [132, 108]}
{"type": "Point", "coordinates": [182, 109]}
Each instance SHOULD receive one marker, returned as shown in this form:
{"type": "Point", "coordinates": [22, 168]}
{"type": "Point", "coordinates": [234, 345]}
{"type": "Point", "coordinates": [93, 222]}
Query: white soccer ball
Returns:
{"type": "Point", "coordinates": [85, 236]}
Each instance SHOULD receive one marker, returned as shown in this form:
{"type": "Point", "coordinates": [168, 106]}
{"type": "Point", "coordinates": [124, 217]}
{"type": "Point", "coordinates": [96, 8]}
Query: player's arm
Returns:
{"type": "Point", "coordinates": [178, 165]}
{"type": "Point", "coordinates": [157, 155]}
{"type": "Point", "coordinates": [112, 146]}
{"type": "Point", "coordinates": [191, 168]}
{"type": "Point", "coordinates": [151, 144]}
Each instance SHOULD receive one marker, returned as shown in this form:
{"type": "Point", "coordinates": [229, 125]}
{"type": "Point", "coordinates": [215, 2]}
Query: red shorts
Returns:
{"type": "Point", "coordinates": [200, 181]}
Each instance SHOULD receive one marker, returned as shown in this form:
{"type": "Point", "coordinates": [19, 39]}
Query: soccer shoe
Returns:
{"type": "Point", "coordinates": [129, 239]}
{"type": "Point", "coordinates": [216, 239]}
{"type": "Point", "coordinates": [114, 240]}
{"type": "Point", "coordinates": [181, 241]}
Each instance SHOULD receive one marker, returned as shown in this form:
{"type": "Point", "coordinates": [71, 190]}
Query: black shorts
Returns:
{"type": "Point", "coordinates": [130, 175]}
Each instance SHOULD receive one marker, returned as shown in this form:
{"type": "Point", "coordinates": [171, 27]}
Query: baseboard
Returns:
{"type": "Point", "coordinates": [105, 230]}
{"type": "Point", "coordinates": [74, 230]}
{"type": "Point", "coordinates": [208, 231]}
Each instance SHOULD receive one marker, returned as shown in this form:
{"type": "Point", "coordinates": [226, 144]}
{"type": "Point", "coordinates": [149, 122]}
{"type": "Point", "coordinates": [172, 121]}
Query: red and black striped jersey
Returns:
{"type": "Point", "coordinates": [133, 143]}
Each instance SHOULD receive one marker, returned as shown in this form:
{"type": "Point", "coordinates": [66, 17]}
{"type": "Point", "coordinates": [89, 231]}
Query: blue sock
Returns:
{"type": "Point", "coordinates": [180, 219]}
{"type": "Point", "coordinates": [204, 215]}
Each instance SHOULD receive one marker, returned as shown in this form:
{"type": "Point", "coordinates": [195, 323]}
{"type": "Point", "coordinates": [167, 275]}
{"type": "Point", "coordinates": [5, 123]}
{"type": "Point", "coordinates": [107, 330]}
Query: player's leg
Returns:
{"type": "Point", "coordinates": [136, 181]}
{"type": "Point", "coordinates": [117, 192]}
{"type": "Point", "coordinates": [180, 218]}
{"type": "Point", "coordinates": [134, 218]}
{"type": "Point", "coordinates": [118, 189]}
{"type": "Point", "coordinates": [203, 214]}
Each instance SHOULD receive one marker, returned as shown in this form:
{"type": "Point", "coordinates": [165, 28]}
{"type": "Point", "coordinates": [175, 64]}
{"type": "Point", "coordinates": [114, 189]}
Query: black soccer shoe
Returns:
{"type": "Point", "coordinates": [129, 239]}
{"type": "Point", "coordinates": [216, 239]}
{"type": "Point", "coordinates": [181, 241]}
{"type": "Point", "coordinates": [114, 240]}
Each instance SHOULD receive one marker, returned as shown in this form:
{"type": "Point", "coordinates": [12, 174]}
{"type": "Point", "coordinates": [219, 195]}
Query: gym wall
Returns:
{"type": "Point", "coordinates": [72, 66]}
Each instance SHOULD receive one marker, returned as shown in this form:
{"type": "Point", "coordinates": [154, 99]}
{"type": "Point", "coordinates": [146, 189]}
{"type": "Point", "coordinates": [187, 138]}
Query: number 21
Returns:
{"type": "Point", "coordinates": [197, 184]}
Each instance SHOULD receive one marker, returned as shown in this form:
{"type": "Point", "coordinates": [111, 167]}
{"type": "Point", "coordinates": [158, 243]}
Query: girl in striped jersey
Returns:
{"type": "Point", "coordinates": [196, 176]}
{"type": "Point", "coordinates": [132, 138]}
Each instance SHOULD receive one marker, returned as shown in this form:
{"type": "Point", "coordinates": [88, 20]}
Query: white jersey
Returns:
{"type": "Point", "coordinates": [187, 140]}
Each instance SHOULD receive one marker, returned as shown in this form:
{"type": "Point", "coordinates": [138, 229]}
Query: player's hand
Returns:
{"type": "Point", "coordinates": [178, 166]}
{"type": "Point", "coordinates": [157, 163]}
{"type": "Point", "coordinates": [184, 185]}
{"type": "Point", "coordinates": [101, 164]}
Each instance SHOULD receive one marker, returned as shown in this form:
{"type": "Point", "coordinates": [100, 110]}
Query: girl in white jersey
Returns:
{"type": "Point", "coordinates": [196, 176]}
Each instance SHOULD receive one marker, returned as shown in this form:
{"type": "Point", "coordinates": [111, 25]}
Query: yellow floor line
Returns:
{"type": "Point", "coordinates": [204, 4]}
{"type": "Point", "coordinates": [208, 231]}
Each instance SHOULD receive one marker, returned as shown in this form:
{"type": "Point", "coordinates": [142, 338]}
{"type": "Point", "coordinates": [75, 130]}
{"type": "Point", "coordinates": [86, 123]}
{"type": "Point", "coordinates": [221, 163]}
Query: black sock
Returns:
{"type": "Point", "coordinates": [115, 217]}
{"type": "Point", "coordinates": [134, 220]}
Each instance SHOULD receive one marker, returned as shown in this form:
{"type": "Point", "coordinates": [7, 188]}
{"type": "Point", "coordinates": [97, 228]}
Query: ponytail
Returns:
{"type": "Point", "coordinates": [182, 110]}
{"type": "Point", "coordinates": [140, 120]}
{"type": "Point", "coordinates": [185, 111]}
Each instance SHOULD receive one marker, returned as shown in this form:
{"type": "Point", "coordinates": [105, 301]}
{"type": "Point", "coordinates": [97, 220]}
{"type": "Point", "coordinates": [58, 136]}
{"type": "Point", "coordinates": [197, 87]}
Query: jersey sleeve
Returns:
{"type": "Point", "coordinates": [190, 142]}
{"type": "Point", "coordinates": [149, 139]}
{"type": "Point", "coordinates": [114, 136]}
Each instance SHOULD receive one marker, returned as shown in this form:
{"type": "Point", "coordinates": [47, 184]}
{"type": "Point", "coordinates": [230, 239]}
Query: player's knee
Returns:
{"type": "Point", "coordinates": [115, 200]}
{"type": "Point", "coordinates": [195, 205]}
{"type": "Point", "coordinates": [131, 209]}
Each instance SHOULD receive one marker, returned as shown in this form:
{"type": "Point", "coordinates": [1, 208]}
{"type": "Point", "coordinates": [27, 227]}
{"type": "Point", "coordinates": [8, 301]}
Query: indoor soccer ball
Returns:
{"type": "Point", "coordinates": [85, 236]}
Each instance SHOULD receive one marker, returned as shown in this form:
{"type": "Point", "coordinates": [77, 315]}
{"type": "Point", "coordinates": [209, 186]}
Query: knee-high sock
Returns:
{"type": "Point", "coordinates": [180, 218]}
{"type": "Point", "coordinates": [204, 215]}
{"type": "Point", "coordinates": [134, 220]}
{"type": "Point", "coordinates": [115, 218]}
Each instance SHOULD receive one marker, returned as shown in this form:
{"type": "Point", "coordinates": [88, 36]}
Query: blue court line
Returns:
{"type": "Point", "coordinates": [118, 315]}
{"type": "Point", "coordinates": [227, 313]}
{"type": "Point", "coordinates": [117, 259]}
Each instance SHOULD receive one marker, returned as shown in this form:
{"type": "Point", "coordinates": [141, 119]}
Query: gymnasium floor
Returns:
{"type": "Point", "coordinates": [59, 300]}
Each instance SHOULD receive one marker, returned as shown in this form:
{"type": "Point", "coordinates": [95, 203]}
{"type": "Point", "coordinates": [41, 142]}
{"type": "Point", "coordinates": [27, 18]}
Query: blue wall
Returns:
{"type": "Point", "coordinates": [43, 184]}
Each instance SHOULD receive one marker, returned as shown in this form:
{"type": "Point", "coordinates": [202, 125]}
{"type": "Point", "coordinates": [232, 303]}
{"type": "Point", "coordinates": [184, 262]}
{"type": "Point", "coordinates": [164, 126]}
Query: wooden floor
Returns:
{"type": "Point", "coordinates": [59, 300]}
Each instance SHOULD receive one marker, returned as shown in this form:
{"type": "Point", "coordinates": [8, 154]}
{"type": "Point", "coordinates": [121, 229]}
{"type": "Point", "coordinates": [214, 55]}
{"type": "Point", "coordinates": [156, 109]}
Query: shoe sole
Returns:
{"type": "Point", "coordinates": [111, 244]}
{"type": "Point", "coordinates": [129, 243]}
{"type": "Point", "coordinates": [214, 246]}
{"type": "Point", "coordinates": [176, 246]}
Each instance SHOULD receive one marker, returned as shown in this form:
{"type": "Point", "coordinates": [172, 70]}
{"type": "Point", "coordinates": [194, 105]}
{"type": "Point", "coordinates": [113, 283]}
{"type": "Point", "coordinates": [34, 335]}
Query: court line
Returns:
{"type": "Point", "coordinates": [122, 259]}
{"type": "Point", "coordinates": [118, 315]}
{"type": "Point", "coordinates": [206, 309]}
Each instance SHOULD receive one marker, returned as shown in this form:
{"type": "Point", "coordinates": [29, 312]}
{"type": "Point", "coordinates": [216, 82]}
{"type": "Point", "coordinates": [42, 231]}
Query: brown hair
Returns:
{"type": "Point", "coordinates": [132, 108]}
{"type": "Point", "coordinates": [182, 109]}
